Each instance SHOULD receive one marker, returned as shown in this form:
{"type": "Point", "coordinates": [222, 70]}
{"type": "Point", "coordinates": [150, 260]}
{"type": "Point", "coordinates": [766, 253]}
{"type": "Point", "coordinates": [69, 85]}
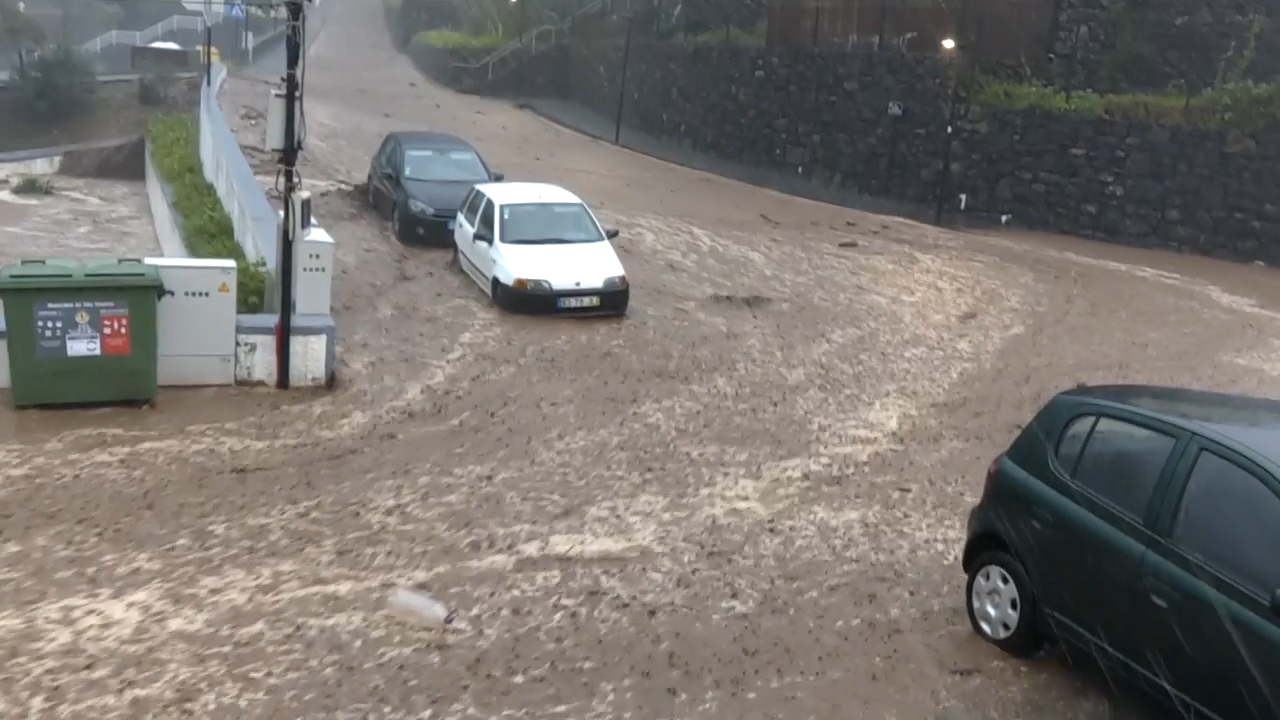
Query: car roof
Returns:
{"type": "Point", "coordinates": [1252, 422]}
{"type": "Point", "coordinates": [518, 193]}
{"type": "Point", "coordinates": [430, 139]}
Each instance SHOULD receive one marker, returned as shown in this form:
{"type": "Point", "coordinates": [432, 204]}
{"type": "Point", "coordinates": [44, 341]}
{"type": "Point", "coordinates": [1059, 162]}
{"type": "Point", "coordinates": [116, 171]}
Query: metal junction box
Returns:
{"type": "Point", "coordinates": [196, 321]}
{"type": "Point", "coordinates": [313, 272]}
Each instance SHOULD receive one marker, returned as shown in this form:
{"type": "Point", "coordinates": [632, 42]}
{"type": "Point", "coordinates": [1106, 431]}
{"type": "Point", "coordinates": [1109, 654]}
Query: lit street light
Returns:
{"type": "Point", "coordinates": [947, 43]}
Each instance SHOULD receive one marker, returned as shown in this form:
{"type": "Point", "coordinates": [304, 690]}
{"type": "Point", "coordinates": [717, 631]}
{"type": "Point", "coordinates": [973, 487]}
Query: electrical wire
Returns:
{"type": "Point", "coordinates": [302, 84]}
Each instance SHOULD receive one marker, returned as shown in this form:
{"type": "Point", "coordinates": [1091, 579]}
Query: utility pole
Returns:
{"type": "Point", "coordinates": [289, 159]}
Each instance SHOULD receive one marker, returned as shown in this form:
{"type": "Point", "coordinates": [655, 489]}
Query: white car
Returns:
{"type": "Point", "coordinates": [537, 247]}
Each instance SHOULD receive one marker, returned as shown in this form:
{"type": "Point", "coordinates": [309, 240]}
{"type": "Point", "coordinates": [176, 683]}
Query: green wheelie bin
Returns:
{"type": "Point", "coordinates": [81, 332]}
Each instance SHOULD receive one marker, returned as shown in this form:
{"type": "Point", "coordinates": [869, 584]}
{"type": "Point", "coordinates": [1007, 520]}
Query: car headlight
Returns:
{"type": "Point", "coordinates": [531, 285]}
{"type": "Point", "coordinates": [617, 282]}
{"type": "Point", "coordinates": [420, 208]}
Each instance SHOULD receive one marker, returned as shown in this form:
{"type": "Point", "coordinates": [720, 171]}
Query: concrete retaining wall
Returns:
{"type": "Point", "coordinates": [160, 197]}
{"type": "Point", "coordinates": [312, 358]}
{"type": "Point", "coordinates": [227, 169]}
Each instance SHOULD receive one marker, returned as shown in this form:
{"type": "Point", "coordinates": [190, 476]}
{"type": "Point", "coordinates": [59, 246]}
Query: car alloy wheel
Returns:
{"type": "Point", "coordinates": [1001, 603]}
{"type": "Point", "coordinates": [395, 220]}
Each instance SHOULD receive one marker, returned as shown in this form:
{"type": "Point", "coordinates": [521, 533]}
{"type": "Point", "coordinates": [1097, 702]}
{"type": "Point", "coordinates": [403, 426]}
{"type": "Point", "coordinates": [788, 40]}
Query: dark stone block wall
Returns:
{"type": "Point", "coordinates": [1182, 189]}
{"type": "Point", "coordinates": [823, 117]}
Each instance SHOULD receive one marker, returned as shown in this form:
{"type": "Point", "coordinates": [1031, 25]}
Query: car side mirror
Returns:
{"type": "Point", "coordinates": [483, 236]}
{"type": "Point", "coordinates": [499, 177]}
{"type": "Point", "coordinates": [1275, 603]}
{"type": "Point", "coordinates": [611, 233]}
{"type": "Point", "coordinates": [388, 175]}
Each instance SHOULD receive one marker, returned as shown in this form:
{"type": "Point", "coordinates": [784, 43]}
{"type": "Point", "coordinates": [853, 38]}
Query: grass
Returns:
{"type": "Point", "coordinates": [1244, 107]}
{"type": "Point", "coordinates": [206, 228]}
{"type": "Point", "coordinates": [735, 36]}
{"type": "Point", "coordinates": [29, 185]}
{"type": "Point", "coordinates": [454, 40]}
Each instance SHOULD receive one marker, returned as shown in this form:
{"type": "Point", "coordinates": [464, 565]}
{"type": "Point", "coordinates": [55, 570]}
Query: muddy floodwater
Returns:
{"type": "Point", "coordinates": [746, 500]}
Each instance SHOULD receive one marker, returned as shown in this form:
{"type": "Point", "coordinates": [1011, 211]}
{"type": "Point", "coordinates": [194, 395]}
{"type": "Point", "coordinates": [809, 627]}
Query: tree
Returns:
{"type": "Point", "coordinates": [17, 29]}
{"type": "Point", "coordinates": [57, 86]}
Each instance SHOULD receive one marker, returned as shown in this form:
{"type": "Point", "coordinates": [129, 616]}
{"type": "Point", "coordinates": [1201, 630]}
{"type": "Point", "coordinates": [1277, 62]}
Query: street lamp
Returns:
{"type": "Point", "coordinates": [519, 21]}
{"type": "Point", "coordinates": [949, 46]}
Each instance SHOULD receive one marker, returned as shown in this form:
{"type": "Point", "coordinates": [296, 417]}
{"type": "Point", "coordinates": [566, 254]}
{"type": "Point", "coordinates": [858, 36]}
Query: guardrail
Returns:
{"type": "Point", "coordinates": [531, 36]}
{"type": "Point", "coordinates": [142, 37]}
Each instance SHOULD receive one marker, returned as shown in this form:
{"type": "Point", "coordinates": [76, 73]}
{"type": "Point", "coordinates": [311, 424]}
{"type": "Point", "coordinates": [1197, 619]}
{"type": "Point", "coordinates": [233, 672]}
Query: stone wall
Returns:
{"type": "Point", "coordinates": [817, 116]}
{"type": "Point", "coordinates": [823, 117]}
{"type": "Point", "coordinates": [1184, 189]}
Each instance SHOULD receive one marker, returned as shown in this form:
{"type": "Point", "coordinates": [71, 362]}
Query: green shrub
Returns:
{"type": "Point", "coordinates": [735, 36]}
{"type": "Point", "coordinates": [1244, 107]}
{"type": "Point", "coordinates": [206, 228]}
{"type": "Point", "coordinates": [31, 185]}
{"type": "Point", "coordinates": [58, 85]}
{"type": "Point", "coordinates": [454, 40]}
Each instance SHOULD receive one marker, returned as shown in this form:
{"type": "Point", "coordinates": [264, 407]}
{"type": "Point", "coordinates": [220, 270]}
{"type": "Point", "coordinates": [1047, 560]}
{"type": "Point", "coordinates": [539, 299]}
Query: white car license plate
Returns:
{"type": "Point", "coordinates": [587, 301]}
{"type": "Point", "coordinates": [451, 224]}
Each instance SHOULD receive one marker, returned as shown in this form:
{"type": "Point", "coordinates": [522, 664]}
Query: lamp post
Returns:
{"type": "Point", "coordinates": [949, 48]}
{"type": "Point", "coordinates": [622, 83]}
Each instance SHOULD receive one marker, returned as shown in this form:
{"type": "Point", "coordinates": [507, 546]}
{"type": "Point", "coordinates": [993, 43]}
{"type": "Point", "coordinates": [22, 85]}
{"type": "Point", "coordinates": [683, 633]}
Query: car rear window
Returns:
{"type": "Point", "coordinates": [1121, 463]}
{"type": "Point", "coordinates": [1230, 521]}
{"type": "Point", "coordinates": [1072, 440]}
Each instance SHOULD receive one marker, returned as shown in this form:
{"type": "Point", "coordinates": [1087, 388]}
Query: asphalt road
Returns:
{"type": "Point", "coordinates": [743, 501]}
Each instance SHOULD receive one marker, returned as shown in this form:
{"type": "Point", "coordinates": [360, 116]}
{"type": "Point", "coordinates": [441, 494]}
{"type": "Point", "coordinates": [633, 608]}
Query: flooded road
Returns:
{"type": "Point", "coordinates": [745, 500]}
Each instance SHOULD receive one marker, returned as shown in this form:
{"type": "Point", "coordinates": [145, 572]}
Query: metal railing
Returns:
{"type": "Point", "coordinates": [529, 41]}
{"type": "Point", "coordinates": [142, 37]}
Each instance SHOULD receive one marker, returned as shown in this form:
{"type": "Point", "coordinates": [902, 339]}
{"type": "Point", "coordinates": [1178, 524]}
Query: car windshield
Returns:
{"type": "Point", "coordinates": [548, 224]}
{"type": "Point", "coordinates": [444, 166]}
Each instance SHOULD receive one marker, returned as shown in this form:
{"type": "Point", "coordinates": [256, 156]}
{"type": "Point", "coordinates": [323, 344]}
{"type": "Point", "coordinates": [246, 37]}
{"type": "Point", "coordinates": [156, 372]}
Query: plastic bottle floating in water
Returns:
{"type": "Point", "coordinates": [419, 608]}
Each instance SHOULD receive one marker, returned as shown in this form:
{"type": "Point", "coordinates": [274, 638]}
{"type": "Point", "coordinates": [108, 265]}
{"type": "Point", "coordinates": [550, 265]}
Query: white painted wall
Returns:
{"type": "Point", "coordinates": [256, 360]}
{"type": "Point", "coordinates": [171, 244]}
{"type": "Point", "coordinates": [38, 166]}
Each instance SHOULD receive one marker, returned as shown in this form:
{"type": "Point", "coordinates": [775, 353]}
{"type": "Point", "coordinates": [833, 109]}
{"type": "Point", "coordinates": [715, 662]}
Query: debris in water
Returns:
{"type": "Point", "coordinates": [418, 608]}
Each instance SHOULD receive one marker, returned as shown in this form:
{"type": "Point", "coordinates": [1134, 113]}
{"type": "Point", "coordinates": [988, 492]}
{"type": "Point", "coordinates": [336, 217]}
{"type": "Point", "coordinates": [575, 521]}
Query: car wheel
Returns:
{"type": "Point", "coordinates": [455, 260]}
{"type": "Point", "coordinates": [370, 194]}
{"type": "Point", "coordinates": [1001, 604]}
{"type": "Point", "coordinates": [395, 222]}
{"type": "Point", "coordinates": [501, 296]}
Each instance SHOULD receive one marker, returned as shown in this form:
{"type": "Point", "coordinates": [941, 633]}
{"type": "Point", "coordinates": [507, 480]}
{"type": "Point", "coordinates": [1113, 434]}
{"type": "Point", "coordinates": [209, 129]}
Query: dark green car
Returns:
{"type": "Point", "coordinates": [1141, 524]}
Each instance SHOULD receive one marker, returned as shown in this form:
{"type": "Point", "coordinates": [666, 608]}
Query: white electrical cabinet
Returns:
{"type": "Point", "coordinates": [275, 120]}
{"type": "Point", "coordinates": [313, 272]}
{"type": "Point", "coordinates": [196, 321]}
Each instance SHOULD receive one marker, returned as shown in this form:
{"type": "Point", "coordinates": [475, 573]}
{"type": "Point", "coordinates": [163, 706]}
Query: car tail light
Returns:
{"type": "Point", "coordinates": [991, 473]}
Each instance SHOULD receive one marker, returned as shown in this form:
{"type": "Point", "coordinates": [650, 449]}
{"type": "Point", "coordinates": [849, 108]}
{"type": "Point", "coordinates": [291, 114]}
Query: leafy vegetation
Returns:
{"type": "Point", "coordinates": [454, 40]}
{"type": "Point", "coordinates": [730, 36]}
{"type": "Point", "coordinates": [57, 85]}
{"type": "Point", "coordinates": [31, 185]}
{"type": "Point", "coordinates": [206, 228]}
{"type": "Point", "coordinates": [1243, 107]}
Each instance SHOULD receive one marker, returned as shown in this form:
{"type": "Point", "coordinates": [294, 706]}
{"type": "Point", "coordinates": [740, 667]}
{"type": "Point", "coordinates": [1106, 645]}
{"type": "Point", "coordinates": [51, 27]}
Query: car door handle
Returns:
{"type": "Point", "coordinates": [1161, 595]}
{"type": "Point", "coordinates": [1040, 517]}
